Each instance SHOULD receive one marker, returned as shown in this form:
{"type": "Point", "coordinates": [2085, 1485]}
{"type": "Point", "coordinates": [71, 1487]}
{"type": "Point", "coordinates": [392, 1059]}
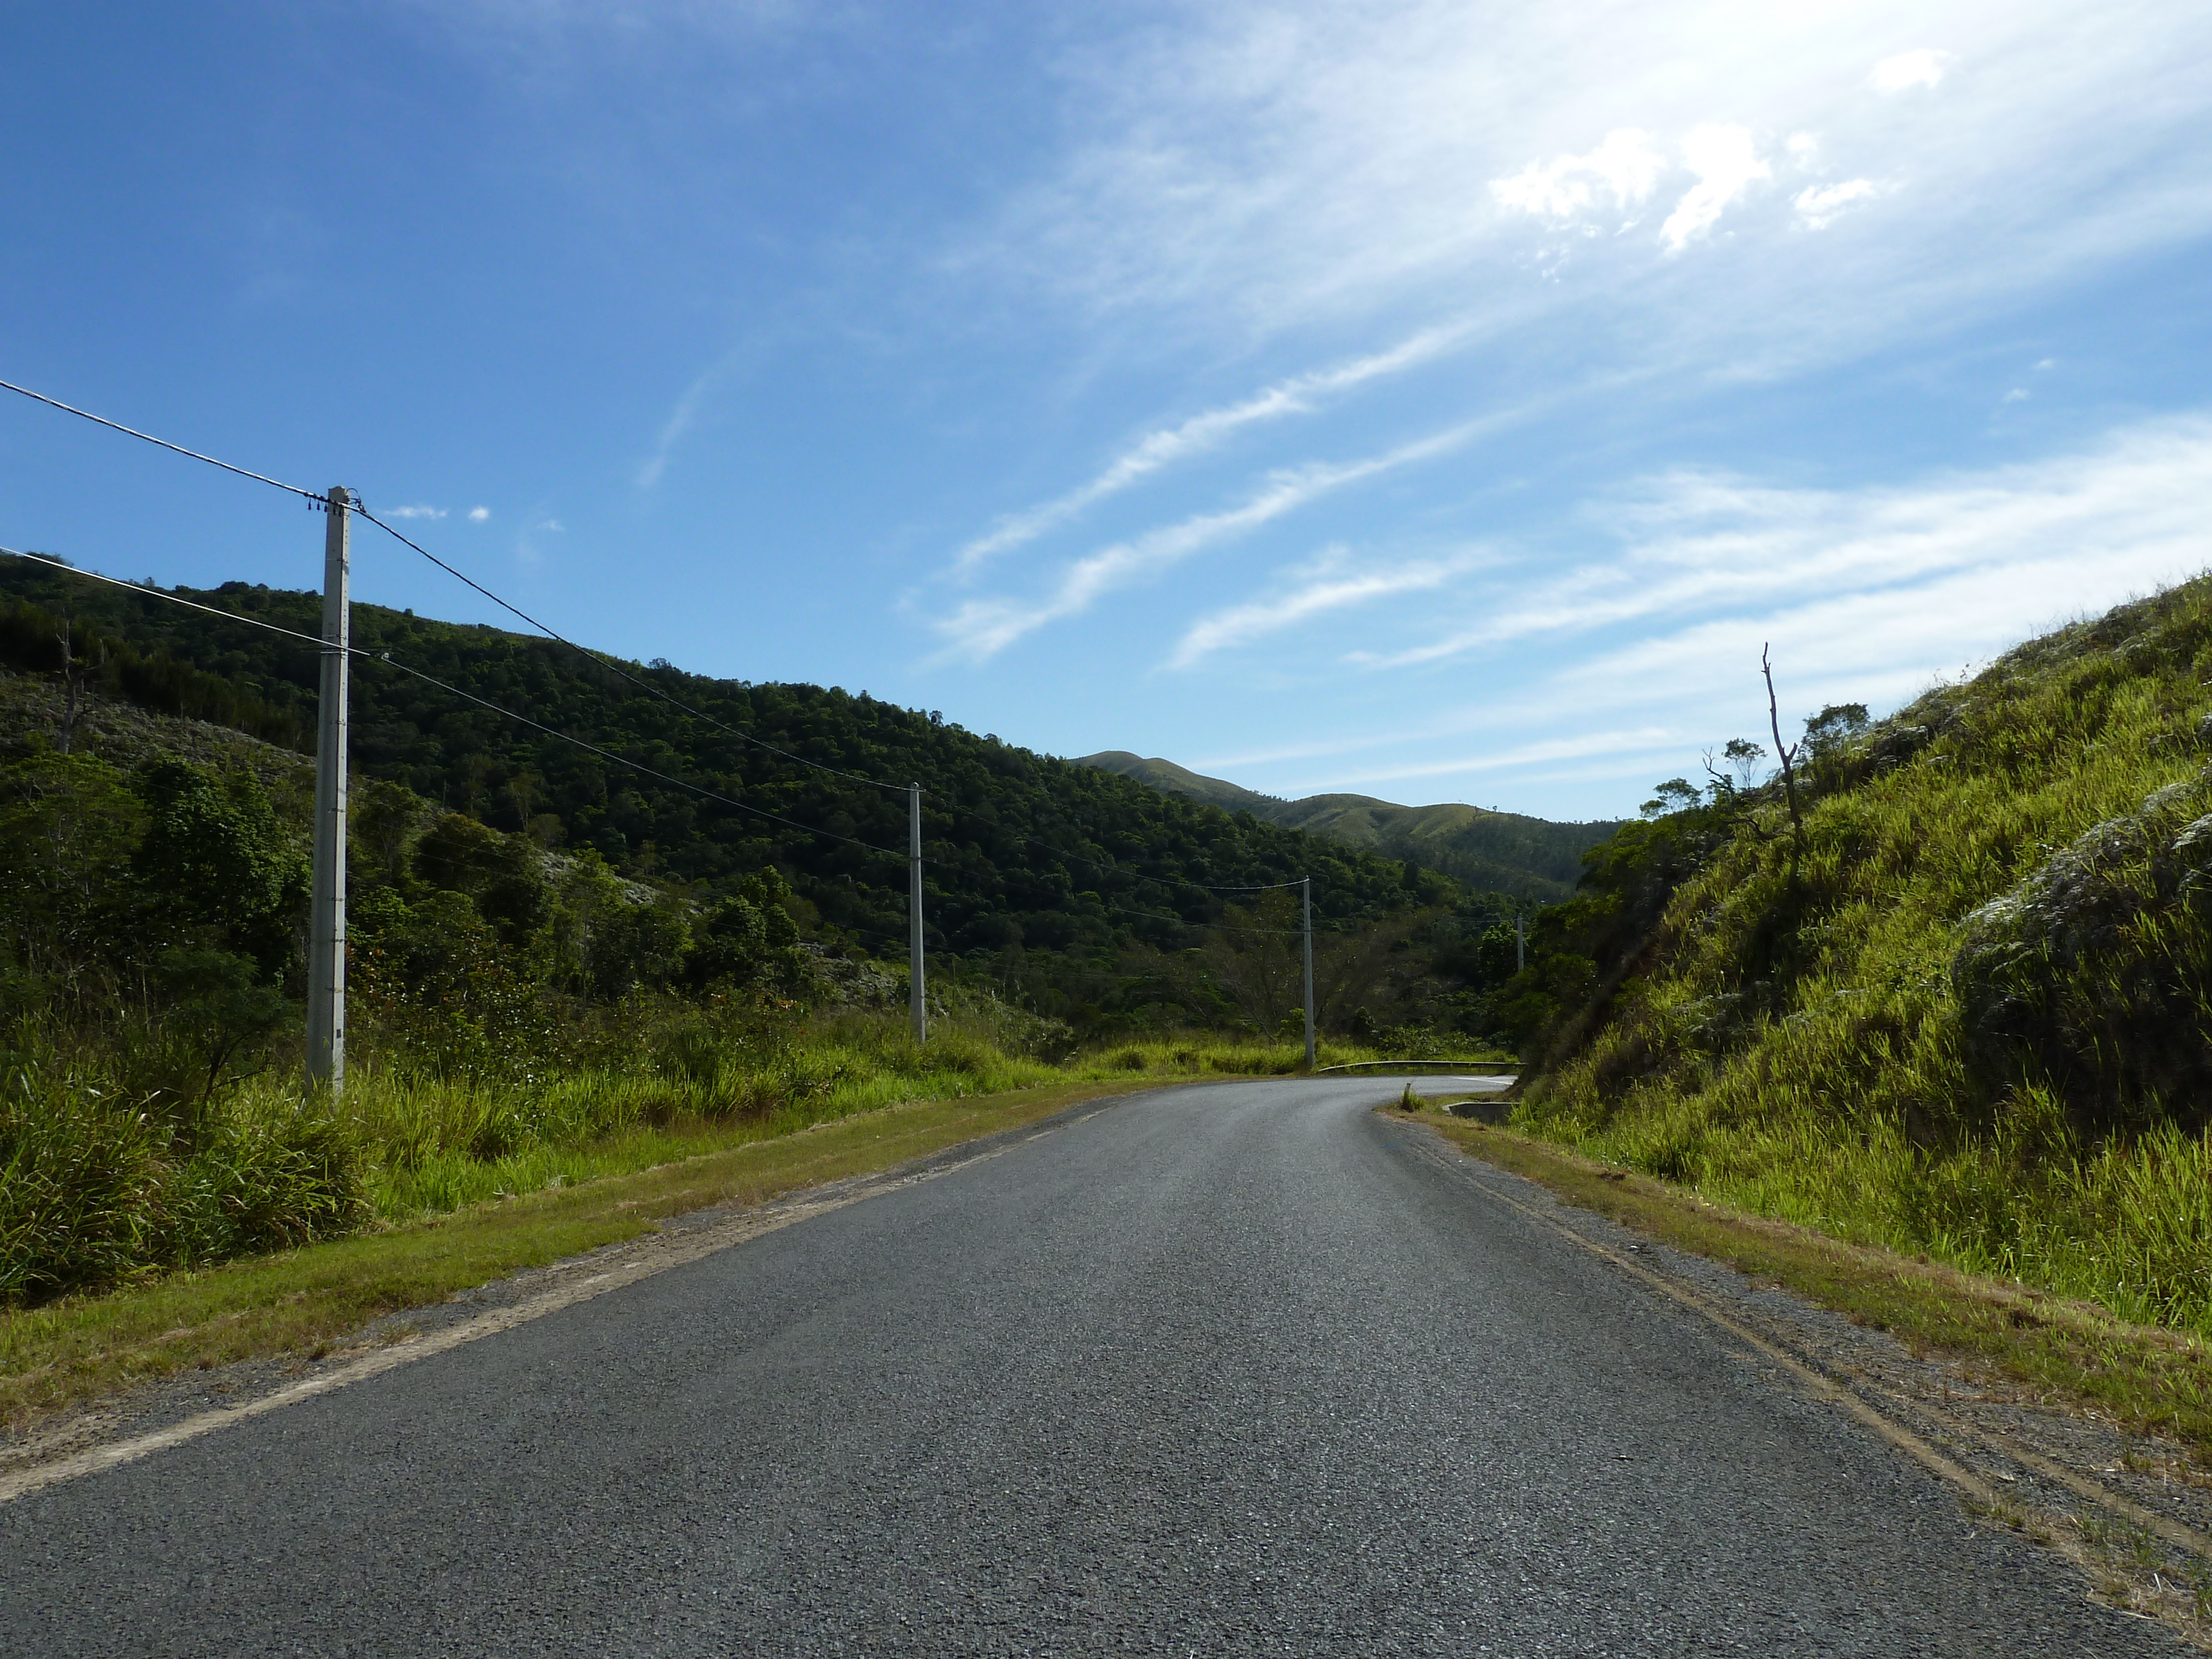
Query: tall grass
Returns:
{"type": "Point", "coordinates": [1800, 1046]}
{"type": "Point", "coordinates": [434, 1146]}
{"type": "Point", "coordinates": [98, 1187]}
{"type": "Point", "coordinates": [109, 1174]}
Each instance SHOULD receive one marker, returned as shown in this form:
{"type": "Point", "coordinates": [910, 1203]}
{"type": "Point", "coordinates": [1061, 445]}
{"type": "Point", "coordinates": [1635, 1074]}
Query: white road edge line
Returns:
{"type": "Point", "coordinates": [1822, 1385]}
{"type": "Point", "coordinates": [709, 1240]}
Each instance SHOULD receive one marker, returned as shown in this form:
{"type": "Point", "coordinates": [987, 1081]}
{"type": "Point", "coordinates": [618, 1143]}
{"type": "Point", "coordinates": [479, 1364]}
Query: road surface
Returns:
{"type": "Point", "coordinates": [1219, 1370]}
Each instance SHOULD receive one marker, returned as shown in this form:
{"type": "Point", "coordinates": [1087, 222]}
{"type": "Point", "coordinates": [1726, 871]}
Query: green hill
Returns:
{"type": "Point", "coordinates": [1505, 853]}
{"type": "Point", "coordinates": [1022, 848]}
{"type": "Point", "coordinates": [1965, 1009]}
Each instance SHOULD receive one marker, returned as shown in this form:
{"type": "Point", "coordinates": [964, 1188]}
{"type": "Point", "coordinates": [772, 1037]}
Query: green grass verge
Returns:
{"type": "Point", "coordinates": [69, 1353]}
{"type": "Point", "coordinates": [2147, 1378]}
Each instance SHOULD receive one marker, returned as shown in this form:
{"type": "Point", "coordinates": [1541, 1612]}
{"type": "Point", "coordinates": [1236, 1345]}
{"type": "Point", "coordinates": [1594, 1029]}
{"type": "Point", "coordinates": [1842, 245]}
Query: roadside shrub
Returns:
{"type": "Point", "coordinates": [96, 1187]}
{"type": "Point", "coordinates": [80, 1173]}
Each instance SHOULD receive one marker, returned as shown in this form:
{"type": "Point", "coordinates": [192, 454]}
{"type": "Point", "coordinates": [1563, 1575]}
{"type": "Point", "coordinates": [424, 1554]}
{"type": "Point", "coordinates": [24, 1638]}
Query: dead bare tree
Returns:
{"type": "Point", "coordinates": [1786, 753]}
{"type": "Point", "coordinates": [75, 673]}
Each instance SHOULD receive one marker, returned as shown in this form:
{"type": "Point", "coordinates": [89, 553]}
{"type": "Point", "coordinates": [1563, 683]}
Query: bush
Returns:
{"type": "Point", "coordinates": [96, 1189]}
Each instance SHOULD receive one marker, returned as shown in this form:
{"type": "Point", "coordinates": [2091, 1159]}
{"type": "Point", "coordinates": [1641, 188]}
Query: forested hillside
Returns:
{"type": "Point", "coordinates": [1082, 896]}
{"type": "Point", "coordinates": [558, 963]}
{"type": "Point", "coordinates": [1946, 987]}
{"type": "Point", "coordinates": [1530, 859]}
{"type": "Point", "coordinates": [1022, 848]}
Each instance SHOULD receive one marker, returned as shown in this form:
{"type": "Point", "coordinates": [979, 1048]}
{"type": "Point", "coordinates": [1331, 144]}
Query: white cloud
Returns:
{"type": "Point", "coordinates": [2123, 516]}
{"type": "Point", "coordinates": [1727, 164]}
{"type": "Point", "coordinates": [1906, 70]}
{"type": "Point", "coordinates": [1624, 169]}
{"type": "Point", "coordinates": [983, 628]}
{"type": "Point", "coordinates": [418, 512]}
{"type": "Point", "coordinates": [2017, 395]}
{"type": "Point", "coordinates": [1162, 448]}
{"type": "Point", "coordinates": [478, 514]}
{"type": "Point", "coordinates": [1267, 169]}
{"type": "Point", "coordinates": [681, 419]}
{"type": "Point", "coordinates": [1819, 206]}
{"type": "Point", "coordinates": [1326, 587]}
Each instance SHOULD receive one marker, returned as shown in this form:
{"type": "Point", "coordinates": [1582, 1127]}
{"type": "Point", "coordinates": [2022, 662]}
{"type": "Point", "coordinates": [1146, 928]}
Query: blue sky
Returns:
{"type": "Point", "coordinates": [1439, 401]}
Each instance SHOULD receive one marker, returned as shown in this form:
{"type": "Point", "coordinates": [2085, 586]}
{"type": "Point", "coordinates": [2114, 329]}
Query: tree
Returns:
{"type": "Point", "coordinates": [504, 877]}
{"type": "Point", "coordinates": [69, 825]}
{"type": "Point", "coordinates": [216, 867]}
{"type": "Point", "coordinates": [1254, 958]}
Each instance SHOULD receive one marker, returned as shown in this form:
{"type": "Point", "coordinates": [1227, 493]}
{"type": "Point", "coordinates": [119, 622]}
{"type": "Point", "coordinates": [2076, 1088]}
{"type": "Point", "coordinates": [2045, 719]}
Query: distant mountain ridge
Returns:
{"type": "Point", "coordinates": [1494, 852]}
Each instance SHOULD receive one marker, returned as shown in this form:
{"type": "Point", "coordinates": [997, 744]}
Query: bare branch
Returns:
{"type": "Point", "coordinates": [1787, 751]}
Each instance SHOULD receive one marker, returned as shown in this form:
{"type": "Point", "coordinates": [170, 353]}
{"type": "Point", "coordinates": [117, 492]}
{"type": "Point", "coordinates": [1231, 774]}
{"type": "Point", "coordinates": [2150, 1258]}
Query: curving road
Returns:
{"type": "Point", "coordinates": [1221, 1370]}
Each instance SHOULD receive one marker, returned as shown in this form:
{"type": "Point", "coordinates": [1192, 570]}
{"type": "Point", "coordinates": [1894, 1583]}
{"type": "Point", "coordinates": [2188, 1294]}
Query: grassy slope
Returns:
{"type": "Point", "coordinates": [1795, 1045]}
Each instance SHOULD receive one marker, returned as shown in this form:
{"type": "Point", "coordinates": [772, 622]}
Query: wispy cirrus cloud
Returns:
{"type": "Point", "coordinates": [980, 628]}
{"type": "Point", "coordinates": [1819, 206]}
{"type": "Point", "coordinates": [682, 416]}
{"type": "Point", "coordinates": [416, 512]}
{"type": "Point", "coordinates": [1325, 586]}
{"type": "Point", "coordinates": [1299, 395]}
{"type": "Point", "coordinates": [2130, 511]}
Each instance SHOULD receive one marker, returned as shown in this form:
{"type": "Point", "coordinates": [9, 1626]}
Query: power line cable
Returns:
{"type": "Point", "coordinates": [55, 563]}
{"type": "Point", "coordinates": [1226, 927]}
{"type": "Point", "coordinates": [1165, 881]}
{"type": "Point", "coordinates": [389, 660]}
{"type": "Point", "coordinates": [623, 760]}
{"type": "Point", "coordinates": [317, 498]}
{"type": "Point", "coordinates": [745, 736]}
{"type": "Point", "coordinates": [159, 443]}
{"type": "Point", "coordinates": [615, 667]}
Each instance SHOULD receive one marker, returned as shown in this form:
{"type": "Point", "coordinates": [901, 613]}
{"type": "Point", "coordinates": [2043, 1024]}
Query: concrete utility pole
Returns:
{"type": "Point", "coordinates": [1307, 885]}
{"type": "Point", "coordinates": [327, 929]}
{"type": "Point", "coordinates": [914, 913]}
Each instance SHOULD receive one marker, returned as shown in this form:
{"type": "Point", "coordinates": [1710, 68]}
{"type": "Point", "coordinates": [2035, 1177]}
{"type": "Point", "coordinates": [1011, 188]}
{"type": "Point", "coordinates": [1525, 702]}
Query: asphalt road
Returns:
{"type": "Point", "coordinates": [1215, 1370]}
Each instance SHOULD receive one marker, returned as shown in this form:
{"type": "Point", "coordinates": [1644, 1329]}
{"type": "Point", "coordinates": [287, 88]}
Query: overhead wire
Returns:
{"type": "Point", "coordinates": [55, 563]}
{"type": "Point", "coordinates": [746, 736]}
{"type": "Point", "coordinates": [1224, 926]}
{"type": "Point", "coordinates": [159, 443]}
{"type": "Point", "coordinates": [616, 668]}
{"type": "Point", "coordinates": [357, 506]}
{"type": "Point", "coordinates": [623, 760]}
{"type": "Point", "coordinates": [1165, 881]}
{"type": "Point", "coordinates": [390, 661]}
